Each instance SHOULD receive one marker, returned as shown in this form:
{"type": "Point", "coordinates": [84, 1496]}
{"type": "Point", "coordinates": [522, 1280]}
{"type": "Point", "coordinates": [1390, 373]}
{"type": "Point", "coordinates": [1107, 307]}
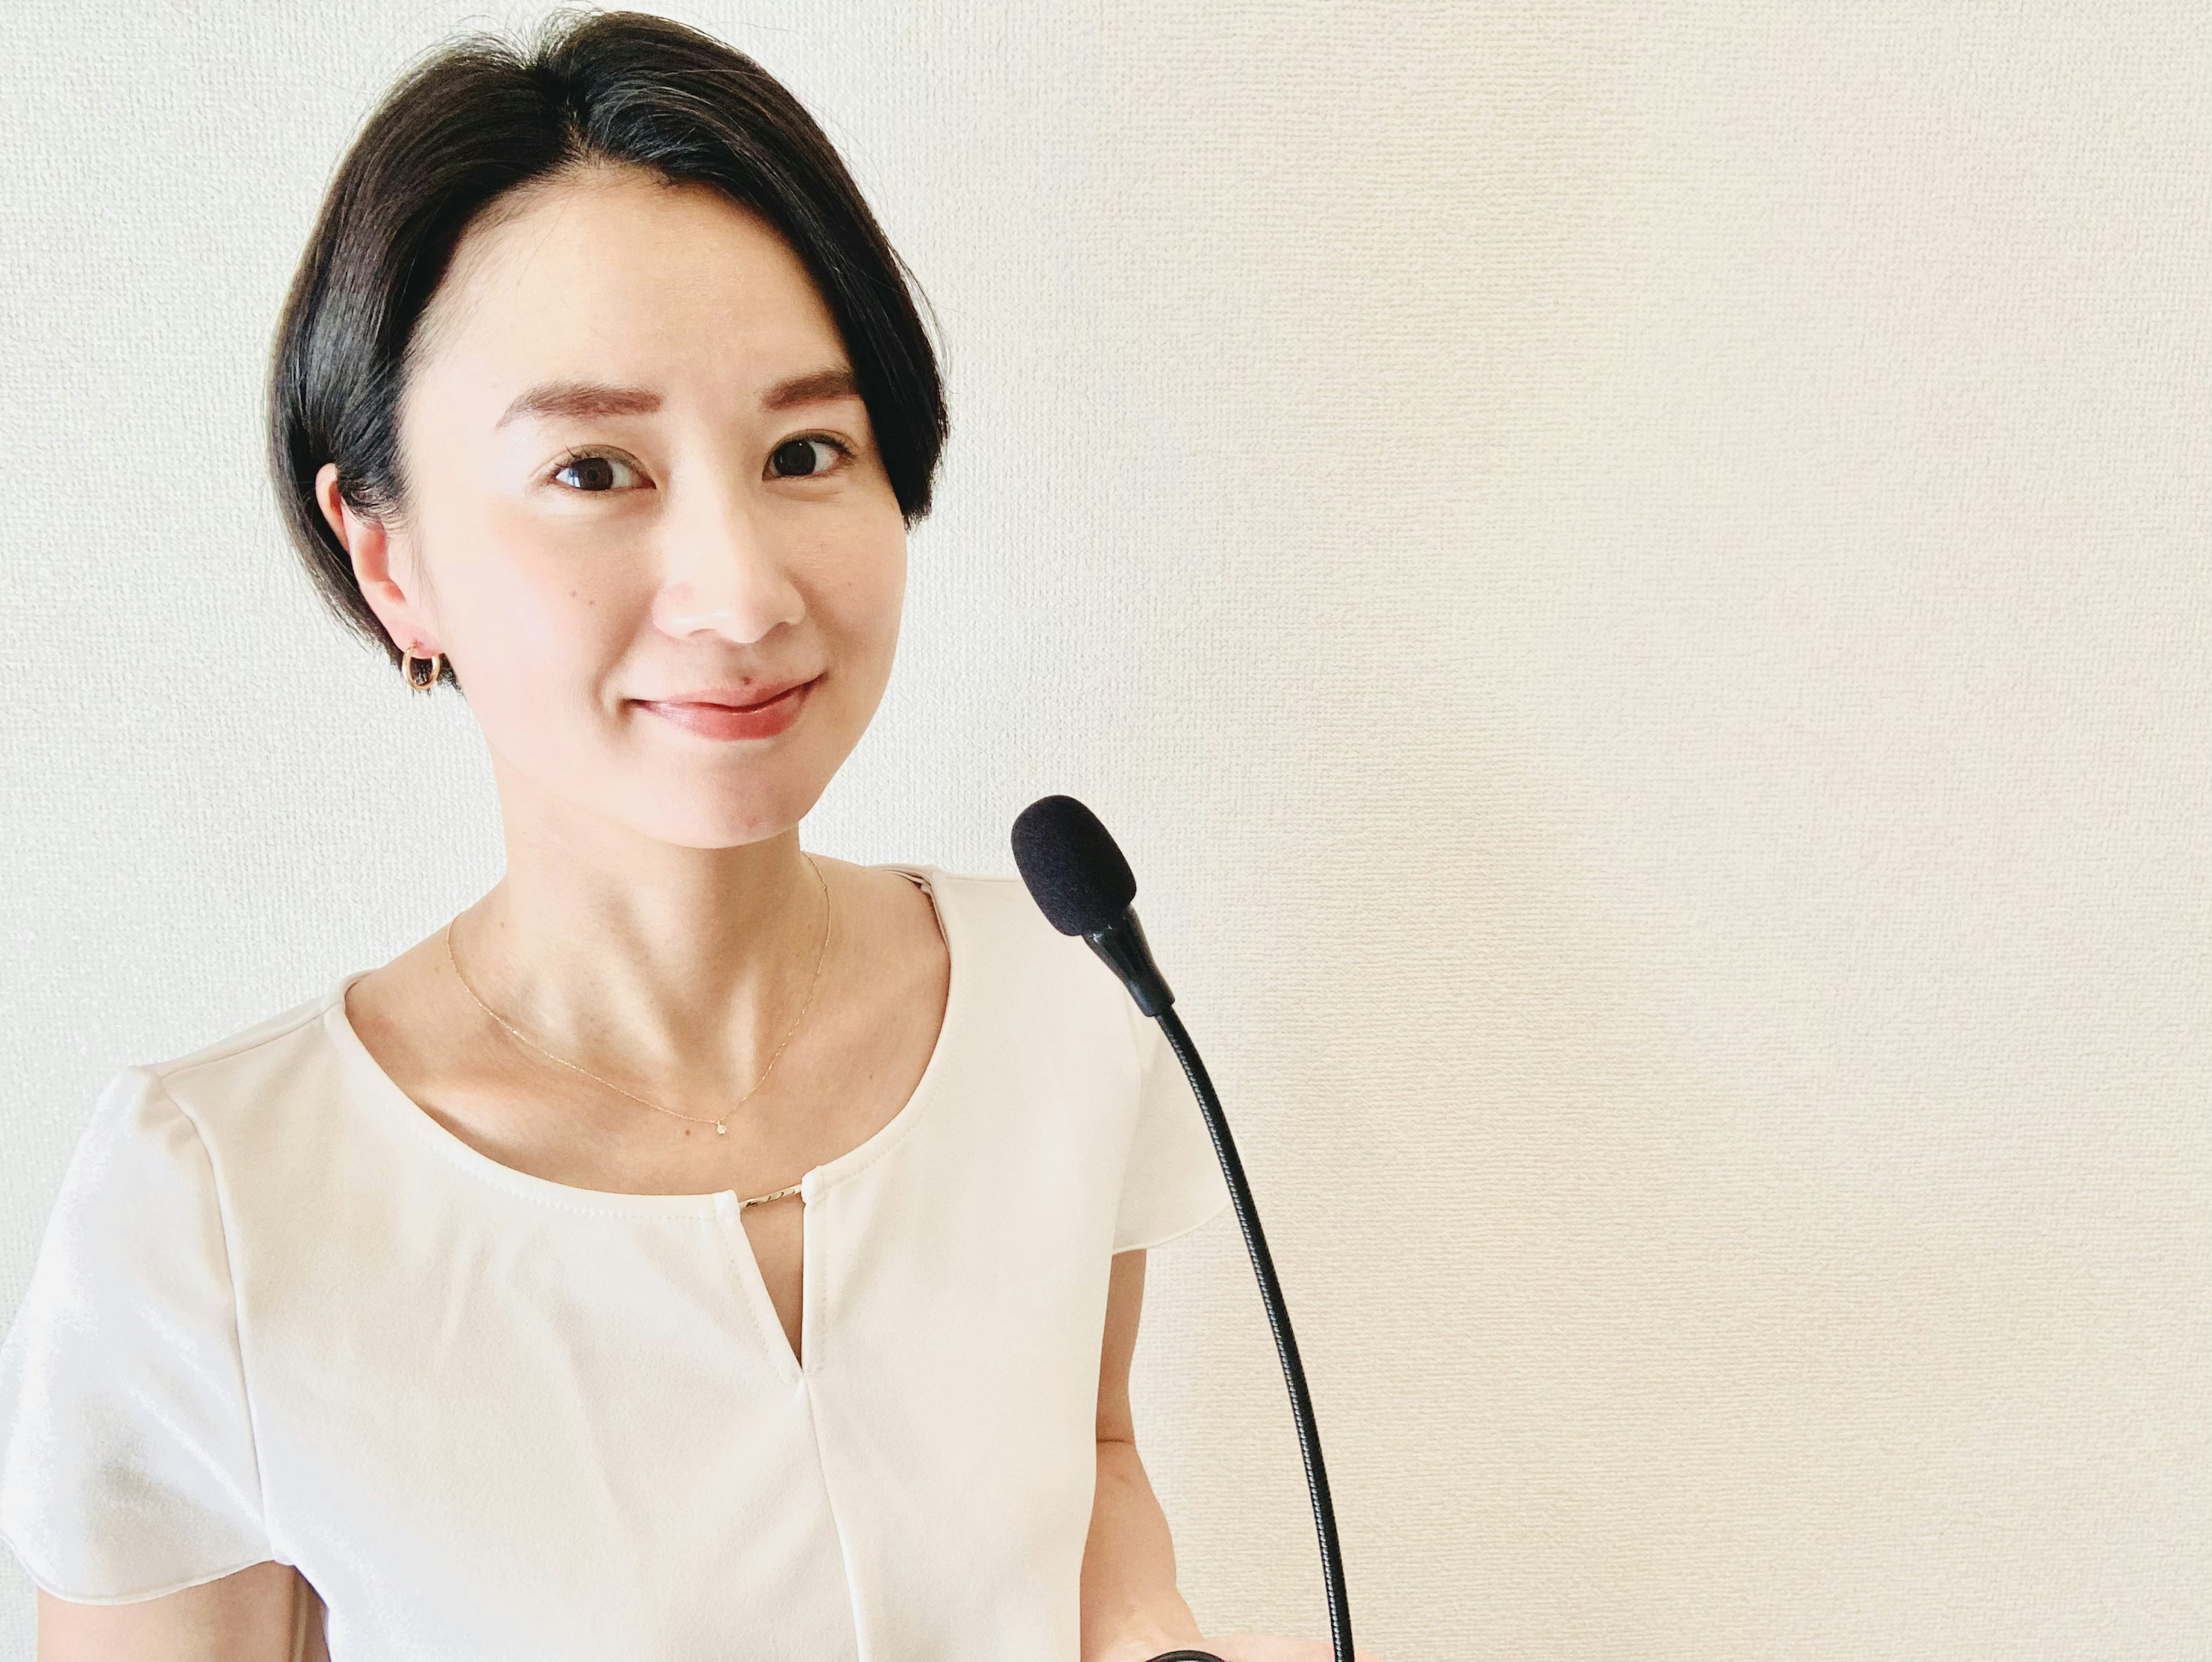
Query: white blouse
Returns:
{"type": "Point", "coordinates": [280, 1313]}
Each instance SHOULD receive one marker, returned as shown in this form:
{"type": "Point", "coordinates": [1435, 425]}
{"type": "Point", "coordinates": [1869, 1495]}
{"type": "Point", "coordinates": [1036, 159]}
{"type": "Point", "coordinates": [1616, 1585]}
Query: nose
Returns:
{"type": "Point", "coordinates": [719, 572]}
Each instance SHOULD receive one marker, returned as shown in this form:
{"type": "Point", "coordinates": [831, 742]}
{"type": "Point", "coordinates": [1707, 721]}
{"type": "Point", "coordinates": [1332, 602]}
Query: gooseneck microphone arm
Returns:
{"type": "Point", "coordinates": [1278, 1319]}
{"type": "Point", "coordinates": [1082, 884]}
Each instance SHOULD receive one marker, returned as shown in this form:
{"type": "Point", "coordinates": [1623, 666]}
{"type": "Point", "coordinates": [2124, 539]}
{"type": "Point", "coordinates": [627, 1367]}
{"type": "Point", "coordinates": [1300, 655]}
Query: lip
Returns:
{"type": "Point", "coordinates": [718, 713]}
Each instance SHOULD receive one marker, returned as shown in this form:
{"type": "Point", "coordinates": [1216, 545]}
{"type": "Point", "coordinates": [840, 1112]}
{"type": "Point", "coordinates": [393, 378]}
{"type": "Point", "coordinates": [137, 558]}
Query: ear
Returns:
{"type": "Point", "coordinates": [369, 542]}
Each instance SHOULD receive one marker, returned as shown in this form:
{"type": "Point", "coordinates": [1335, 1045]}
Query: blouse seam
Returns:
{"type": "Point", "coordinates": [1179, 1231]}
{"type": "Point", "coordinates": [40, 1580]}
{"type": "Point", "coordinates": [837, 1523]}
{"type": "Point", "coordinates": [224, 1051]}
{"type": "Point", "coordinates": [1137, 1020]}
{"type": "Point", "coordinates": [237, 1325]}
{"type": "Point", "coordinates": [1133, 1018]}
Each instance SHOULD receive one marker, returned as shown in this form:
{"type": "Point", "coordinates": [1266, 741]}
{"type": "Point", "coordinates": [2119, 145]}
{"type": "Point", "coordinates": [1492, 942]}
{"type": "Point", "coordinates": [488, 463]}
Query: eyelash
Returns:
{"type": "Point", "coordinates": [838, 445]}
{"type": "Point", "coordinates": [587, 454]}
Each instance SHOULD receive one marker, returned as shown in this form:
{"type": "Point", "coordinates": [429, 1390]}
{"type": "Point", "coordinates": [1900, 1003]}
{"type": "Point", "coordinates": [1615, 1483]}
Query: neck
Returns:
{"type": "Point", "coordinates": [673, 972]}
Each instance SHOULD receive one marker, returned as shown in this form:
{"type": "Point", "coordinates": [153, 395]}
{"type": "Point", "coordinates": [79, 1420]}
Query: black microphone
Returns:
{"type": "Point", "coordinates": [1076, 873]}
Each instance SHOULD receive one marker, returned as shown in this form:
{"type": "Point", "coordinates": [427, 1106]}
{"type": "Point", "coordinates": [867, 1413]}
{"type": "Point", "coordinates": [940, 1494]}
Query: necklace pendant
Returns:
{"type": "Point", "coordinates": [720, 1129]}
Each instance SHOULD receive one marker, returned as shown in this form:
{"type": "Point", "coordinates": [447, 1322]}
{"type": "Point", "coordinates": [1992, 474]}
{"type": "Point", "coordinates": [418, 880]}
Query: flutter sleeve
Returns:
{"type": "Point", "coordinates": [127, 1464]}
{"type": "Point", "coordinates": [1172, 1182]}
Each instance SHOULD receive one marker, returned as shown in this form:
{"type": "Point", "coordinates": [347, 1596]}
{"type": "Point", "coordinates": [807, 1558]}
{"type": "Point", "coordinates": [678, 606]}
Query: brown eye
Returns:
{"type": "Point", "coordinates": [594, 474]}
{"type": "Point", "coordinates": [799, 459]}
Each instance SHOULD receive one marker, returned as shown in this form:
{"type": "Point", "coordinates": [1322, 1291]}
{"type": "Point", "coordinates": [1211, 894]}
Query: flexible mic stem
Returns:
{"type": "Point", "coordinates": [1278, 1319]}
{"type": "Point", "coordinates": [1081, 882]}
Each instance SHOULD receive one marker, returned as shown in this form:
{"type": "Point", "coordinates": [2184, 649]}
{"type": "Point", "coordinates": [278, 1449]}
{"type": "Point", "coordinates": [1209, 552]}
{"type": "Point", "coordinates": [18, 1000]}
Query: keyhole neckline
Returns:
{"type": "Point", "coordinates": [411, 1120]}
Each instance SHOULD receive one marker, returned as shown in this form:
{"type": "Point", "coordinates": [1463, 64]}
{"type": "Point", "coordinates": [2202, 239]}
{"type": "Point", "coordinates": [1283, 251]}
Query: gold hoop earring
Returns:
{"type": "Point", "coordinates": [437, 662]}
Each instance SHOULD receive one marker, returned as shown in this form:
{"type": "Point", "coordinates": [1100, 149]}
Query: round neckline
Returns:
{"type": "Point", "coordinates": [379, 1087]}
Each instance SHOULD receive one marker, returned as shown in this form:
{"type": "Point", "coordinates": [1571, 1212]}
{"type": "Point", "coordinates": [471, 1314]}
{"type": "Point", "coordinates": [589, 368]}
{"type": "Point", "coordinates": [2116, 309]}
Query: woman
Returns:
{"type": "Point", "coordinates": [696, 1248]}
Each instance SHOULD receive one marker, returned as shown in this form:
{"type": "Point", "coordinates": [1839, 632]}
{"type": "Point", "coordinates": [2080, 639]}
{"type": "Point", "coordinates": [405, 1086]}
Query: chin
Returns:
{"type": "Point", "coordinates": [699, 821]}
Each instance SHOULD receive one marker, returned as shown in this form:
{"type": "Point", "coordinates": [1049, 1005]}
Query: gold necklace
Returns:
{"type": "Point", "coordinates": [722, 1124]}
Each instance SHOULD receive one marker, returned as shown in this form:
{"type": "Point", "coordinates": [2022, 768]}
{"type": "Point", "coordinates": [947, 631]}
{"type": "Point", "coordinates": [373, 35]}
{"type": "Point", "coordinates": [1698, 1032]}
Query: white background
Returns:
{"type": "Point", "coordinates": [1633, 580]}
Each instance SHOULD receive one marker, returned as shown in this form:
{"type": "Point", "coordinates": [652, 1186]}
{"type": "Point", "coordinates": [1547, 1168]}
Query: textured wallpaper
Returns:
{"type": "Point", "coordinates": [1634, 581]}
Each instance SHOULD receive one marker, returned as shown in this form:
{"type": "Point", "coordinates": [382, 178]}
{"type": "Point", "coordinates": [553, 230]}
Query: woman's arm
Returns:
{"type": "Point", "coordinates": [1131, 1610]}
{"type": "Point", "coordinates": [264, 1613]}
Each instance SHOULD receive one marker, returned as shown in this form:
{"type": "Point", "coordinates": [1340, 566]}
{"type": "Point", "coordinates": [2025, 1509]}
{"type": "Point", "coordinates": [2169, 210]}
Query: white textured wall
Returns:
{"type": "Point", "coordinates": [1635, 581]}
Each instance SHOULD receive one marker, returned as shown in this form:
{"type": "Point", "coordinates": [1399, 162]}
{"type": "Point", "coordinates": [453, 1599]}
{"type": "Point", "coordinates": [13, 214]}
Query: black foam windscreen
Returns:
{"type": "Point", "coordinates": [1074, 868]}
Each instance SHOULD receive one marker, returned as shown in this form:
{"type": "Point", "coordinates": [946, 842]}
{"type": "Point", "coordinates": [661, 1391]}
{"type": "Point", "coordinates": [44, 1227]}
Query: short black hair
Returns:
{"type": "Point", "coordinates": [484, 116]}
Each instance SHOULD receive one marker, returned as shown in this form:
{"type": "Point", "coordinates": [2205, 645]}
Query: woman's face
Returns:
{"type": "Point", "coordinates": [640, 492]}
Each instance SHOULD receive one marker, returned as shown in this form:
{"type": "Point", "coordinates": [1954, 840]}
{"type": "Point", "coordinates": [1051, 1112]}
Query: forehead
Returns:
{"type": "Point", "coordinates": [613, 271]}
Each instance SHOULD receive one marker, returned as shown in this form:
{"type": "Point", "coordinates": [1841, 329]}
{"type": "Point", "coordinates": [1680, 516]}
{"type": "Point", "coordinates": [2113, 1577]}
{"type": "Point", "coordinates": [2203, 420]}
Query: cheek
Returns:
{"type": "Point", "coordinates": [526, 613]}
{"type": "Point", "coordinates": [862, 594]}
{"type": "Point", "coordinates": [534, 629]}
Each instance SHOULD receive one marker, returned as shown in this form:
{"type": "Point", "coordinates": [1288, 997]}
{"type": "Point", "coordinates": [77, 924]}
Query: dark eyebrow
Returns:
{"type": "Point", "coordinates": [582, 400]}
{"type": "Point", "coordinates": [820, 387]}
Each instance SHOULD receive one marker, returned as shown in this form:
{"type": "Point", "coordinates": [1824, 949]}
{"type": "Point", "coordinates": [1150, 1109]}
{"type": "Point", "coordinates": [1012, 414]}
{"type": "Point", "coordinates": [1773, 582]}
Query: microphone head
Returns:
{"type": "Point", "coordinates": [1074, 870]}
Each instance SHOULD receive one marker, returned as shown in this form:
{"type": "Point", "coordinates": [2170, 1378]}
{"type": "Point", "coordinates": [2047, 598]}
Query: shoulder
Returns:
{"type": "Point", "coordinates": [154, 1126]}
{"type": "Point", "coordinates": [267, 1031]}
{"type": "Point", "coordinates": [1046, 988]}
{"type": "Point", "coordinates": [997, 923]}
{"type": "Point", "coordinates": [1005, 898]}
{"type": "Point", "coordinates": [222, 1083]}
